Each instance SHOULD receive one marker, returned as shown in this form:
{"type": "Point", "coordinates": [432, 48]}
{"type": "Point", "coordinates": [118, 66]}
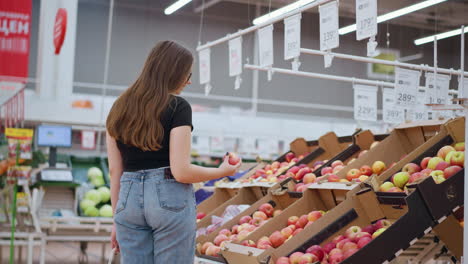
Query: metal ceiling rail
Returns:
{"type": "Point", "coordinates": [329, 77]}
{"type": "Point", "coordinates": [385, 62]}
{"type": "Point", "coordinates": [253, 28]}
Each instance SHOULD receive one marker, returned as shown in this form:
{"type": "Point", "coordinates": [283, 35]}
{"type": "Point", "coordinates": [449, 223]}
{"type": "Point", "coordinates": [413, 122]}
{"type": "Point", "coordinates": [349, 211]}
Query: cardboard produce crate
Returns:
{"type": "Point", "coordinates": [219, 196]}
{"type": "Point", "coordinates": [312, 200]}
{"type": "Point", "coordinates": [409, 223]}
{"type": "Point", "coordinates": [280, 200]}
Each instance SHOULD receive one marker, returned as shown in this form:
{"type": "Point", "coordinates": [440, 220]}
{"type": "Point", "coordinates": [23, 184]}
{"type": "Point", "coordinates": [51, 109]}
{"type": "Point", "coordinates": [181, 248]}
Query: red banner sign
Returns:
{"type": "Point", "coordinates": [60, 29]}
{"type": "Point", "coordinates": [15, 23]}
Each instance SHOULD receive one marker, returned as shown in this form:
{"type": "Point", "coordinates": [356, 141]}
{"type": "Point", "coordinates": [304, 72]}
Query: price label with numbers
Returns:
{"type": "Point", "coordinates": [204, 66]}
{"type": "Point", "coordinates": [366, 19]}
{"type": "Point", "coordinates": [329, 37]}
{"type": "Point", "coordinates": [437, 91]}
{"type": "Point", "coordinates": [265, 45]}
{"type": "Point", "coordinates": [406, 87]}
{"type": "Point", "coordinates": [419, 112]}
{"type": "Point", "coordinates": [292, 37]}
{"type": "Point", "coordinates": [392, 113]}
{"type": "Point", "coordinates": [365, 102]}
{"type": "Point", "coordinates": [235, 56]}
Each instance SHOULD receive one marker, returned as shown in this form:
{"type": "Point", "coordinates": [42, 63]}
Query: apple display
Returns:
{"type": "Point", "coordinates": [400, 179]}
{"type": "Point", "coordinates": [433, 162]}
{"type": "Point", "coordinates": [386, 186]}
{"type": "Point", "coordinates": [267, 209]}
{"type": "Point", "coordinates": [353, 174]}
{"type": "Point", "coordinates": [458, 159]}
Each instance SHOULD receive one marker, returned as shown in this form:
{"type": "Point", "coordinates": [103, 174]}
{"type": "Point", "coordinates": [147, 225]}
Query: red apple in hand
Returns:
{"type": "Point", "coordinates": [267, 209]}
{"type": "Point", "coordinates": [233, 158]}
{"type": "Point", "coordinates": [200, 215]}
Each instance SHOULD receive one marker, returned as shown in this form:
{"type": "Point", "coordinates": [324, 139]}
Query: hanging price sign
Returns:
{"type": "Point", "coordinates": [365, 102]}
{"type": "Point", "coordinates": [419, 112]}
{"type": "Point", "coordinates": [205, 66]}
{"type": "Point", "coordinates": [406, 87]}
{"type": "Point", "coordinates": [292, 37]}
{"type": "Point", "coordinates": [464, 89]}
{"type": "Point", "coordinates": [437, 91]}
{"type": "Point", "coordinates": [88, 139]}
{"type": "Point", "coordinates": [392, 114]}
{"type": "Point", "coordinates": [265, 45]}
{"type": "Point", "coordinates": [329, 26]}
{"type": "Point", "coordinates": [366, 19]}
{"type": "Point", "coordinates": [235, 56]}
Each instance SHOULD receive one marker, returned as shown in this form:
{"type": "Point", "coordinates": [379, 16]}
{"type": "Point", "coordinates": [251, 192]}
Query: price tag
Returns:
{"type": "Point", "coordinates": [329, 26]}
{"type": "Point", "coordinates": [365, 102]}
{"type": "Point", "coordinates": [406, 87]}
{"type": "Point", "coordinates": [205, 66]}
{"type": "Point", "coordinates": [392, 114]}
{"type": "Point", "coordinates": [292, 37]}
{"type": "Point", "coordinates": [235, 56]}
{"type": "Point", "coordinates": [366, 19]}
{"type": "Point", "coordinates": [88, 139]}
{"type": "Point", "coordinates": [265, 45]}
{"type": "Point", "coordinates": [437, 91]}
{"type": "Point", "coordinates": [419, 112]}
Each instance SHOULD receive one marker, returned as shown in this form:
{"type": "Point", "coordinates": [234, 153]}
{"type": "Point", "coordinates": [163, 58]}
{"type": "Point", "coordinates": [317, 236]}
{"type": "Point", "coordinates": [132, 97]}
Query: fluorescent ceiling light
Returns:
{"type": "Point", "coordinates": [394, 14]}
{"type": "Point", "coordinates": [281, 11]}
{"type": "Point", "coordinates": [175, 6]}
{"type": "Point", "coordinates": [440, 36]}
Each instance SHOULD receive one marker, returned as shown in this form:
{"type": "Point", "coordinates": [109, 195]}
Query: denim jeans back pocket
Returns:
{"type": "Point", "coordinates": [123, 195]}
{"type": "Point", "coordinates": [173, 195]}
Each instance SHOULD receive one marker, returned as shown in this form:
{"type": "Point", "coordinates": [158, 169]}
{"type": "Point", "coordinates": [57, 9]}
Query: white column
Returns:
{"type": "Point", "coordinates": [55, 72]}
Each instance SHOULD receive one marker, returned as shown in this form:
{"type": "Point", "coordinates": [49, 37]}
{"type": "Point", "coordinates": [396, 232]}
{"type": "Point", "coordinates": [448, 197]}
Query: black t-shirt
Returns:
{"type": "Point", "coordinates": [178, 113]}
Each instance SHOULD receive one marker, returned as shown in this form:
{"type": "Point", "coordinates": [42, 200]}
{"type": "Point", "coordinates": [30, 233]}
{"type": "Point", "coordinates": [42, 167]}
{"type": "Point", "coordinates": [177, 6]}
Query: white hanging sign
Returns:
{"type": "Point", "coordinates": [88, 139]}
{"type": "Point", "coordinates": [292, 37]}
{"type": "Point", "coordinates": [406, 87]}
{"type": "Point", "coordinates": [420, 112]}
{"type": "Point", "coordinates": [265, 45]}
{"type": "Point", "coordinates": [329, 37]}
{"type": "Point", "coordinates": [437, 91]}
{"type": "Point", "coordinates": [235, 56]}
{"type": "Point", "coordinates": [366, 19]}
{"type": "Point", "coordinates": [365, 102]}
{"type": "Point", "coordinates": [205, 66]}
{"type": "Point", "coordinates": [392, 114]}
{"type": "Point", "coordinates": [464, 90]}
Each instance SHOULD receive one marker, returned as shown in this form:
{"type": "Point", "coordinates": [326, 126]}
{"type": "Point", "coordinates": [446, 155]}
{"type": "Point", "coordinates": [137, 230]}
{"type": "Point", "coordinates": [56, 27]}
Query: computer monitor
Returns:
{"type": "Point", "coordinates": [54, 137]}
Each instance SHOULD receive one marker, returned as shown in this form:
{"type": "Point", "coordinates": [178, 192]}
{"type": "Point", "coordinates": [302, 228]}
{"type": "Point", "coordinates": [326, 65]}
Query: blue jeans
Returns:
{"type": "Point", "coordinates": [155, 219]}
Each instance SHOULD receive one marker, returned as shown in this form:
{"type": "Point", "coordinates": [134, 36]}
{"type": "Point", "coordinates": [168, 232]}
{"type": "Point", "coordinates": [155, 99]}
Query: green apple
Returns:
{"type": "Point", "coordinates": [433, 162]}
{"type": "Point", "coordinates": [437, 175]}
{"type": "Point", "coordinates": [386, 186]}
{"type": "Point", "coordinates": [449, 156]}
{"type": "Point", "coordinates": [401, 179]}
{"type": "Point", "coordinates": [378, 232]}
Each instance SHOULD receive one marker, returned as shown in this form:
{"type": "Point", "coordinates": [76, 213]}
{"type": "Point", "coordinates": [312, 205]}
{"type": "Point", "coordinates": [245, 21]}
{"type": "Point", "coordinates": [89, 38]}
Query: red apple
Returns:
{"type": "Point", "coordinates": [292, 220]}
{"type": "Point", "coordinates": [352, 231]}
{"type": "Point", "coordinates": [382, 223]}
{"type": "Point", "coordinates": [458, 159]}
{"type": "Point", "coordinates": [433, 162]}
{"type": "Point", "coordinates": [264, 245]}
{"type": "Point", "coordinates": [338, 239]}
{"type": "Point", "coordinates": [283, 260]}
{"type": "Point", "coordinates": [277, 239]}
{"type": "Point", "coordinates": [444, 151]}
{"type": "Point", "coordinates": [295, 257]}
{"type": "Point", "coordinates": [353, 174]}
{"type": "Point", "coordinates": [243, 235]}
{"type": "Point", "coordinates": [364, 241]}
{"type": "Point", "coordinates": [333, 178]}
{"type": "Point", "coordinates": [317, 251]}
{"type": "Point", "coordinates": [289, 156]}
{"type": "Point", "coordinates": [302, 222]}
{"type": "Point", "coordinates": [329, 247]}
{"type": "Point", "coordinates": [348, 253]}
{"type": "Point", "coordinates": [460, 146]}
{"type": "Point", "coordinates": [342, 243]}
{"type": "Point", "coordinates": [309, 178]}
{"type": "Point", "coordinates": [301, 187]}
{"type": "Point", "coordinates": [297, 231]}
{"type": "Point", "coordinates": [287, 232]}
{"type": "Point", "coordinates": [233, 158]}
{"type": "Point", "coordinates": [300, 174]}
{"type": "Point", "coordinates": [335, 251]}
{"type": "Point", "coordinates": [200, 215]}
{"type": "Point", "coordinates": [326, 170]}
{"type": "Point", "coordinates": [205, 247]}
{"type": "Point", "coordinates": [361, 235]}
{"type": "Point", "coordinates": [426, 172]}
{"type": "Point", "coordinates": [294, 169]}
{"type": "Point", "coordinates": [245, 219]}
{"type": "Point", "coordinates": [314, 216]}
{"type": "Point", "coordinates": [415, 177]}
{"type": "Point", "coordinates": [337, 169]}
{"type": "Point", "coordinates": [349, 245]}
{"type": "Point", "coordinates": [425, 162]}
{"type": "Point", "coordinates": [267, 209]}
{"type": "Point", "coordinates": [378, 167]}
{"type": "Point", "coordinates": [213, 251]}
{"type": "Point", "coordinates": [450, 171]}
{"type": "Point", "coordinates": [442, 165]}
{"type": "Point", "coordinates": [369, 229]}
{"type": "Point", "coordinates": [260, 215]}
{"type": "Point", "coordinates": [336, 258]}
{"type": "Point", "coordinates": [256, 221]}
{"type": "Point", "coordinates": [249, 243]}
{"type": "Point", "coordinates": [336, 163]}
{"type": "Point", "coordinates": [411, 168]}
{"type": "Point", "coordinates": [308, 259]}
{"type": "Point", "coordinates": [366, 170]}
{"type": "Point", "coordinates": [277, 212]}
{"type": "Point", "coordinates": [234, 229]}
{"type": "Point", "coordinates": [225, 232]}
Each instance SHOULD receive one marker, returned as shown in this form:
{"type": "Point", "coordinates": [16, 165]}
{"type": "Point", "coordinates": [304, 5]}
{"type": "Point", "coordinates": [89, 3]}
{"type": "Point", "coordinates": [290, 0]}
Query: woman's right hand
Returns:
{"type": "Point", "coordinates": [228, 169]}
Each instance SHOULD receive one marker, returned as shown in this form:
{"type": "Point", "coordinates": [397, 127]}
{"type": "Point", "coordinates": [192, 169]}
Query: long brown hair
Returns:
{"type": "Point", "coordinates": [135, 117]}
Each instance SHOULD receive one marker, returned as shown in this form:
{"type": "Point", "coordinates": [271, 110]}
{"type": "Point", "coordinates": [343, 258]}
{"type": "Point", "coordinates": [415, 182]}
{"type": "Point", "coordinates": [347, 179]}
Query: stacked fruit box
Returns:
{"type": "Point", "coordinates": [329, 196]}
